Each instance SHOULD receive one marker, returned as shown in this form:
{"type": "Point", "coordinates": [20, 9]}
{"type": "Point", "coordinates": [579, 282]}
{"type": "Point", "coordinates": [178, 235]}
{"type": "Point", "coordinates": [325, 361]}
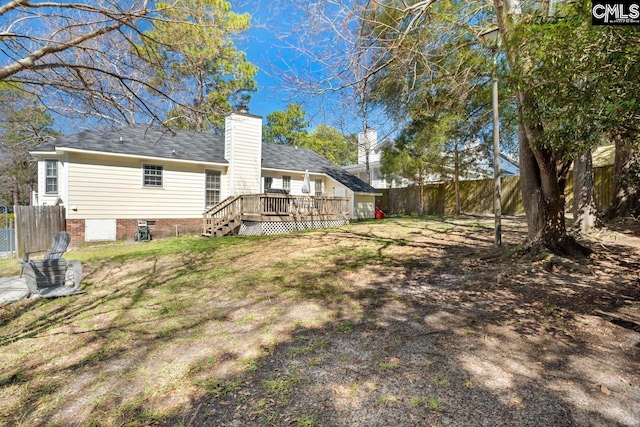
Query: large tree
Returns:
{"type": "Point", "coordinates": [289, 127]}
{"type": "Point", "coordinates": [574, 83]}
{"type": "Point", "coordinates": [332, 144]}
{"type": "Point", "coordinates": [437, 75]}
{"type": "Point", "coordinates": [23, 125]}
{"type": "Point", "coordinates": [196, 61]}
{"type": "Point", "coordinates": [543, 169]}
{"type": "Point", "coordinates": [329, 67]}
{"type": "Point", "coordinates": [84, 59]}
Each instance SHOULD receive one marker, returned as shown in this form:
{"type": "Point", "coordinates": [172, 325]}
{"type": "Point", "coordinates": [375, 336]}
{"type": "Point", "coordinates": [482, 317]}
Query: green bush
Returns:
{"type": "Point", "coordinates": [10, 218]}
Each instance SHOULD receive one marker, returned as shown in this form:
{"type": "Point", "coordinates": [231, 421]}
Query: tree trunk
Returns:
{"type": "Point", "coordinates": [16, 190]}
{"type": "Point", "coordinates": [456, 171]}
{"type": "Point", "coordinates": [542, 192]}
{"type": "Point", "coordinates": [585, 212]}
{"type": "Point", "coordinates": [542, 175]}
{"type": "Point", "coordinates": [626, 179]}
{"type": "Point", "coordinates": [421, 186]}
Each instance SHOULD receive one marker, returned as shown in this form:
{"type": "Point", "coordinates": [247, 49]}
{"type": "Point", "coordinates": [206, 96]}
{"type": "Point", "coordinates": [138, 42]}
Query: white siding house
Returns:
{"type": "Point", "coordinates": [109, 180]}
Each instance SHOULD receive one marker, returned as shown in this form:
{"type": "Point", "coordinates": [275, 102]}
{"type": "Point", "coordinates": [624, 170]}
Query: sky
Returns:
{"type": "Point", "coordinates": [262, 49]}
{"type": "Point", "coordinates": [265, 46]}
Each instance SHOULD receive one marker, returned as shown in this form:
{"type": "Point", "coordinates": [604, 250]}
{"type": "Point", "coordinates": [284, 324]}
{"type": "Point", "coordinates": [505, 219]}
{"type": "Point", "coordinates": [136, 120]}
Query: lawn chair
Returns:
{"type": "Point", "coordinates": [58, 247]}
{"type": "Point", "coordinates": [52, 278]}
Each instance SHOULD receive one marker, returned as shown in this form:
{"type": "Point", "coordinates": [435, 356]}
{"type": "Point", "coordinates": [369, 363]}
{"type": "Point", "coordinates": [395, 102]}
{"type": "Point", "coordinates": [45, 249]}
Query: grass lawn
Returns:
{"type": "Point", "coordinates": [174, 330]}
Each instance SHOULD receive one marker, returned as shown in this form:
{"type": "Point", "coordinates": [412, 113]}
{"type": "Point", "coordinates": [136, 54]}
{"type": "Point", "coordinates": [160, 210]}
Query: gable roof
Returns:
{"type": "Point", "coordinates": [145, 141]}
{"type": "Point", "coordinates": [159, 142]}
{"type": "Point", "coordinates": [286, 157]}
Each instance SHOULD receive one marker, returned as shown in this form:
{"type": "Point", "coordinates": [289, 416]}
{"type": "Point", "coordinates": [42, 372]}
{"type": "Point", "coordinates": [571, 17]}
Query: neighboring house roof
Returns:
{"type": "Point", "coordinates": [159, 142]}
{"type": "Point", "coordinates": [603, 156]}
{"type": "Point", "coordinates": [361, 166]}
{"type": "Point", "coordinates": [145, 141]}
{"type": "Point", "coordinates": [509, 166]}
{"type": "Point", "coordinates": [286, 157]}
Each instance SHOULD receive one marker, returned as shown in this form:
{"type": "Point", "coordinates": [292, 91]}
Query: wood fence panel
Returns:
{"type": "Point", "coordinates": [449, 198]}
{"type": "Point", "coordinates": [36, 226]}
{"type": "Point", "coordinates": [603, 183]}
{"type": "Point", "coordinates": [477, 196]}
{"type": "Point", "coordinates": [511, 196]}
{"type": "Point", "coordinates": [603, 188]}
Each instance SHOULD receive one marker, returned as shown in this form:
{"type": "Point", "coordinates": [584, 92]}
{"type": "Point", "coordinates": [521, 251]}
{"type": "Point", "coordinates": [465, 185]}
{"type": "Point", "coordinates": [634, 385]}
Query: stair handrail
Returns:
{"type": "Point", "coordinates": [220, 206]}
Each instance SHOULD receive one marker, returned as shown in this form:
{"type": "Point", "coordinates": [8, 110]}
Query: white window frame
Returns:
{"type": "Point", "coordinates": [286, 182]}
{"type": "Point", "coordinates": [318, 193]}
{"type": "Point", "coordinates": [207, 189]}
{"type": "Point", "coordinates": [144, 175]}
{"type": "Point", "coordinates": [55, 178]}
{"type": "Point", "coordinates": [264, 182]}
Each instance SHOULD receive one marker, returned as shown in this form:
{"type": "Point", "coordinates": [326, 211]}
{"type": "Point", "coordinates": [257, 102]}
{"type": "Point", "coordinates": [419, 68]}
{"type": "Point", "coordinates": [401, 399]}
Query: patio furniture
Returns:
{"type": "Point", "coordinates": [58, 247]}
{"type": "Point", "coordinates": [53, 277]}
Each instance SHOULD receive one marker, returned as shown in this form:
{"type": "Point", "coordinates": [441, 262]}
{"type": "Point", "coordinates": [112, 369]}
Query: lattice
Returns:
{"type": "Point", "coordinates": [249, 228]}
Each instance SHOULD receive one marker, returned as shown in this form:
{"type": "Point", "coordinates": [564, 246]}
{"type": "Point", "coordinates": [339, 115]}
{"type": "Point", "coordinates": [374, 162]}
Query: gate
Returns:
{"type": "Point", "coordinates": [7, 234]}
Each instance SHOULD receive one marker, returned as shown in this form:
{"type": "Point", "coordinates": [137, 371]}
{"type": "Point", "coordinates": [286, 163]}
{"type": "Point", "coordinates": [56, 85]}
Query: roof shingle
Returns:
{"type": "Point", "coordinates": [156, 141]}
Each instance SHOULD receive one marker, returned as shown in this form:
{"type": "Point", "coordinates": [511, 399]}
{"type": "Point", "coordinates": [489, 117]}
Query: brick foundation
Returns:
{"type": "Point", "coordinates": [75, 228]}
{"type": "Point", "coordinates": [126, 228]}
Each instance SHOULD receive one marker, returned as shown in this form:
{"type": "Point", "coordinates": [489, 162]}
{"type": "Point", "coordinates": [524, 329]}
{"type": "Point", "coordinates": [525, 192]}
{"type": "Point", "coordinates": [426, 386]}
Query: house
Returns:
{"type": "Point", "coordinates": [186, 182]}
{"type": "Point", "coordinates": [368, 142]}
{"type": "Point", "coordinates": [508, 166]}
{"type": "Point", "coordinates": [481, 167]}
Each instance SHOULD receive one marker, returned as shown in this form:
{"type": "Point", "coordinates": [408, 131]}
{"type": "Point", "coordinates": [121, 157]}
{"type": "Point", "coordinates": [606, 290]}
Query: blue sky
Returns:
{"type": "Point", "coordinates": [265, 47]}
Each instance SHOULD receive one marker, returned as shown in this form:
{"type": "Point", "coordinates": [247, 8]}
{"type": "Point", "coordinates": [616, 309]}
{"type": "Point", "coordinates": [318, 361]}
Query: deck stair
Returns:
{"type": "Point", "coordinates": [223, 218]}
{"type": "Point", "coordinates": [227, 216]}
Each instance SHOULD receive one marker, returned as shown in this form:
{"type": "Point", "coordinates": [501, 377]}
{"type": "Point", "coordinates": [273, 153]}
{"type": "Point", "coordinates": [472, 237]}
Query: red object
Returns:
{"type": "Point", "coordinates": [379, 213]}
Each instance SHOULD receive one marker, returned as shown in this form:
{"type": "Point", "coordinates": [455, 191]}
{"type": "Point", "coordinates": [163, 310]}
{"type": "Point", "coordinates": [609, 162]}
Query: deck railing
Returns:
{"type": "Point", "coordinates": [275, 207]}
{"type": "Point", "coordinates": [296, 206]}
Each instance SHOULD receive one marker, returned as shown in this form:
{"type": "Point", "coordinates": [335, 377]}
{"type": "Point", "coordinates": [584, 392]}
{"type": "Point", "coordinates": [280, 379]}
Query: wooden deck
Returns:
{"type": "Point", "coordinates": [225, 217]}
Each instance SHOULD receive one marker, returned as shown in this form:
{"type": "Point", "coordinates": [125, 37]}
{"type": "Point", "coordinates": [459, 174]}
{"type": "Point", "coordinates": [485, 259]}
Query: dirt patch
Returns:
{"type": "Point", "coordinates": [403, 322]}
{"type": "Point", "coordinates": [446, 338]}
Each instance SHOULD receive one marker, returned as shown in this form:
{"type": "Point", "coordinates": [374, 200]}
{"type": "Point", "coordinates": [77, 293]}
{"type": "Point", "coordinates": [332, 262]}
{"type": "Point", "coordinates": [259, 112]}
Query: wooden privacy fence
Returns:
{"type": "Point", "coordinates": [36, 226]}
{"type": "Point", "coordinates": [477, 196]}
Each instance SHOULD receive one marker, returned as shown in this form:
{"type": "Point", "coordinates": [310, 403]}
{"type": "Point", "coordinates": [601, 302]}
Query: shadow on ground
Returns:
{"type": "Point", "coordinates": [446, 339]}
{"type": "Point", "coordinates": [351, 327]}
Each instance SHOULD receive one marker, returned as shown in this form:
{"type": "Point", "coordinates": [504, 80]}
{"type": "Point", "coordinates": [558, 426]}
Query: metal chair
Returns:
{"type": "Point", "coordinates": [52, 278]}
{"type": "Point", "coordinates": [58, 247]}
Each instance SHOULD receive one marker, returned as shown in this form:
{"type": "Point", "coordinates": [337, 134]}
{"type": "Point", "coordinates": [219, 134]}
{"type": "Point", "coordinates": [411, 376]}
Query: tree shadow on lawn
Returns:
{"type": "Point", "coordinates": [429, 337]}
{"type": "Point", "coordinates": [439, 346]}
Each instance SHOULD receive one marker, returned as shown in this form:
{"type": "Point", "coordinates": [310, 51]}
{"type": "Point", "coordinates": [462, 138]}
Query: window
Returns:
{"type": "Point", "coordinates": [318, 187]}
{"type": "Point", "coordinates": [286, 183]}
{"type": "Point", "coordinates": [212, 188]}
{"type": "Point", "coordinates": [152, 175]}
{"type": "Point", "coordinates": [51, 176]}
{"type": "Point", "coordinates": [268, 182]}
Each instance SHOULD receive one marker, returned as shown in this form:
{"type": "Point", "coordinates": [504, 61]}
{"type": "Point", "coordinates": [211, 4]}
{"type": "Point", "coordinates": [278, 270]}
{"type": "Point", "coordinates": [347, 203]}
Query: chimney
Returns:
{"type": "Point", "coordinates": [243, 151]}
